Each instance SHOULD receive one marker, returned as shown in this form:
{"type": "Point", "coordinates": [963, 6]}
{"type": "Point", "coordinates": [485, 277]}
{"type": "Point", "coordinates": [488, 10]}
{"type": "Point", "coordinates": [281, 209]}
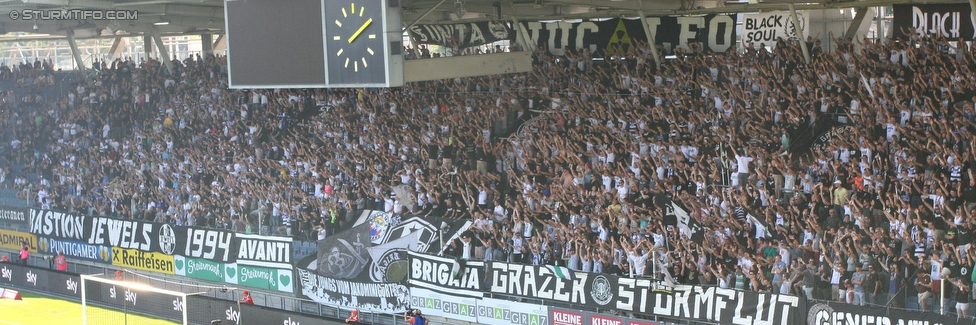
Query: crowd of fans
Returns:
{"type": "Point", "coordinates": [879, 213]}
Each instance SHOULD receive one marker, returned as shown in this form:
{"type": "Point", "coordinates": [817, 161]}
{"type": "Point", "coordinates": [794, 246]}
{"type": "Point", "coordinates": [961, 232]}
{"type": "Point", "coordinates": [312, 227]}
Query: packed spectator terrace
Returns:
{"type": "Point", "coordinates": [612, 142]}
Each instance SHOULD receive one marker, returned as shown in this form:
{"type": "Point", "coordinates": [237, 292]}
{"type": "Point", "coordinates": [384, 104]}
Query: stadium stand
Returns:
{"type": "Point", "coordinates": [590, 185]}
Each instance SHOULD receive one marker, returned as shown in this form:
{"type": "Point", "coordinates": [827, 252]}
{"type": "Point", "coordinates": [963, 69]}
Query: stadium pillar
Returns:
{"type": "Point", "coordinates": [858, 18]}
{"type": "Point", "coordinates": [75, 52]}
{"type": "Point", "coordinates": [650, 38]}
{"type": "Point", "coordinates": [117, 47]}
{"type": "Point", "coordinates": [972, 9]}
{"type": "Point", "coordinates": [206, 42]}
{"type": "Point", "coordinates": [799, 35]}
{"type": "Point", "coordinates": [163, 53]}
{"type": "Point", "coordinates": [220, 44]}
{"type": "Point", "coordinates": [147, 45]}
{"type": "Point", "coordinates": [522, 37]}
{"type": "Point", "coordinates": [520, 33]}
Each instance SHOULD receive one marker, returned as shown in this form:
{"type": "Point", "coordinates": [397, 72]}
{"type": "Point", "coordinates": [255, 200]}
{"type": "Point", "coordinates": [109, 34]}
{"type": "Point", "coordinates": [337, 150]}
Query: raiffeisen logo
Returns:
{"type": "Point", "coordinates": [73, 14]}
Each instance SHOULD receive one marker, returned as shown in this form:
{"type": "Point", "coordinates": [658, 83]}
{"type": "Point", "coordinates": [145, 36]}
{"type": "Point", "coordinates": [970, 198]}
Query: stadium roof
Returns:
{"type": "Point", "coordinates": [175, 17]}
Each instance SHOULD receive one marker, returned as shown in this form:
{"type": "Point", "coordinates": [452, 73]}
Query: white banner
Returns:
{"type": "Point", "coordinates": [767, 27]}
{"type": "Point", "coordinates": [503, 312]}
{"type": "Point", "coordinates": [437, 304]}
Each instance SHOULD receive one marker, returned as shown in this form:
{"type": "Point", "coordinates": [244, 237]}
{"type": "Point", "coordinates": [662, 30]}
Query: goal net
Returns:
{"type": "Point", "coordinates": [127, 302]}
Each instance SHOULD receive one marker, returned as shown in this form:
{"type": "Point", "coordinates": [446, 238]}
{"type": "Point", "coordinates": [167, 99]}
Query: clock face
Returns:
{"type": "Point", "coordinates": [354, 38]}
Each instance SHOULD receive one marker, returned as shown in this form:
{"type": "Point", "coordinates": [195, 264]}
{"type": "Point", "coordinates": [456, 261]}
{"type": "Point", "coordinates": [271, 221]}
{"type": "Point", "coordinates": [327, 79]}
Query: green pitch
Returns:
{"type": "Point", "coordinates": [38, 309]}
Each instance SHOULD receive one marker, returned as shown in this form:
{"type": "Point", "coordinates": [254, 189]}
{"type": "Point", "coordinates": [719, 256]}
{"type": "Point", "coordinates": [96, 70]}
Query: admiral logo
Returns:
{"type": "Point", "coordinates": [121, 233]}
{"type": "Point", "coordinates": [12, 239]}
{"type": "Point", "coordinates": [208, 244]}
{"type": "Point", "coordinates": [71, 285]}
{"type": "Point", "coordinates": [264, 251]}
{"type": "Point", "coordinates": [7, 274]}
{"type": "Point", "coordinates": [57, 224]}
{"type": "Point", "coordinates": [32, 278]}
{"type": "Point", "coordinates": [11, 215]}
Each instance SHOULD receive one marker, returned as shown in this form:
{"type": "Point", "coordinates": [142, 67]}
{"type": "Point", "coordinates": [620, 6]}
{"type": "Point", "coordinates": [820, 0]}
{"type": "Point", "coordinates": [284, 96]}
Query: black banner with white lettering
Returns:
{"type": "Point", "coordinates": [447, 275]}
{"type": "Point", "coordinates": [372, 296]}
{"type": "Point", "coordinates": [951, 21]}
{"type": "Point", "coordinates": [463, 35]}
{"type": "Point", "coordinates": [14, 215]}
{"type": "Point", "coordinates": [711, 32]}
{"type": "Point", "coordinates": [645, 296]}
{"type": "Point", "coordinates": [265, 251]}
{"type": "Point", "coordinates": [210, 244]}
{"type": "Point", "coordinates": [834, 313]}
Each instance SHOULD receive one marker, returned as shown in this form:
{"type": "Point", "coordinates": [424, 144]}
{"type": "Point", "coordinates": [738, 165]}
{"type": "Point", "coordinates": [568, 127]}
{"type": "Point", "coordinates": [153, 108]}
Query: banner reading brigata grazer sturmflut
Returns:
{"type": "Point", "coordinates": [950, 21]}
{"type": "Point", "coordinates": [437, 274]}
{"type": "Point", "coordinates": [712, 32]}
{"type": "Point", "coordinates": [645, 296]}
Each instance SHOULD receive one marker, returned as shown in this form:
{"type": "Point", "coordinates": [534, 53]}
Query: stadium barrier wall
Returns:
{"type": "Point", "coordinates": [202, 310]}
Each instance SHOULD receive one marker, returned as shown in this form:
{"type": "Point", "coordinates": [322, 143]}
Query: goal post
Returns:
{"type": "Point", "coordinates": [120, 298]}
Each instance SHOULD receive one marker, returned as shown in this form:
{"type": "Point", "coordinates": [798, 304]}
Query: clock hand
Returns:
{"type": "Point", "coordinates": [360, 30]}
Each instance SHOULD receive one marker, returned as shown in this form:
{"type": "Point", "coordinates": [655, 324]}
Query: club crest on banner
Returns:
{"type": "Point", "coordinates": [167, 239]}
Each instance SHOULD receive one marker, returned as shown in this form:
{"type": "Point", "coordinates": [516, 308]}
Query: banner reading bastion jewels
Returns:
{"type": "Point", "coordinates": [212, 244]}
